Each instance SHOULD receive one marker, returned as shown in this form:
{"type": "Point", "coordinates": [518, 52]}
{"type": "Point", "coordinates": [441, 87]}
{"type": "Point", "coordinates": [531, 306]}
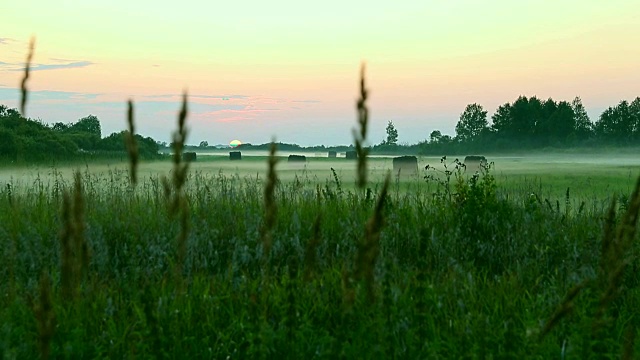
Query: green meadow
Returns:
{"type": "Point", "coordinates": [589, 177]}
{"type": "Point", "coordinates": [230, 262]}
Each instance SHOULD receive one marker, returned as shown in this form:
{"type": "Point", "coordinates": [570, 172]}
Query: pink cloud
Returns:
{"type": "Point", "coordinates": [231, 115]}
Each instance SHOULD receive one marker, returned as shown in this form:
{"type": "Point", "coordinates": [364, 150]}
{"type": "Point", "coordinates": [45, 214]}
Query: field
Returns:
{"type": "Point", "coordinates": [528, 260]}
{"type": "Point", "coordinates": [590, 177]}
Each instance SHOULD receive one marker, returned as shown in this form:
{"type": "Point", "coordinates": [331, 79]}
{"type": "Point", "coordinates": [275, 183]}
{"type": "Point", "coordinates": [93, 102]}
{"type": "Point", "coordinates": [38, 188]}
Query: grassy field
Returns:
{"type": "Point", "coordinates": [590, 177]}
{"type": "Point", "coordinates": [234, 265]}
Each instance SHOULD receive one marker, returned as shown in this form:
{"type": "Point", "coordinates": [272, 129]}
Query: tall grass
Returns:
{"type": "Point", "coordinates": [267, 269]}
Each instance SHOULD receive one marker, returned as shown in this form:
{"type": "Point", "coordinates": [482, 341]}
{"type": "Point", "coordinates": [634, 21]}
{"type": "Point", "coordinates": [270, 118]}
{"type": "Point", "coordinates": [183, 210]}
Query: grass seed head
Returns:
{"type": "Point", "coordinates": [131, 144]}
{"type": "Point", "coordinates": [361, 136]}
{"type": "Point", "coordinates": [270, 207]}
{"type": "Point", "coordinates": [23, 85]}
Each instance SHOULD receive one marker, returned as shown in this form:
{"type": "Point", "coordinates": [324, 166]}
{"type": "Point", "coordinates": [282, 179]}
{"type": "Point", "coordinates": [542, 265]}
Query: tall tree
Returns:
{"type": "Point", "coordinates": [501, 120]}
{"type": "Point", "coordinates": [435, 137]}
{"type": "Point", "coordinates": [392, 135]}
{"type": "Point", "coordinates": [616, 123]}
{"type": "Point", "coordinates": [89, 124]}
{"type": "Point", "coordinates": [86, 133]}
{"type": "Point", "coordinates": [562, 122]}
{"type": "Point", "coordinates": [583, 127]}
{"type": "Point", "coordinates": [525, 114]}
{"type": "Point", "coordinates": [473, 121]}
{"type": "Point", "coordinates": [546, 126]}
{"type": "Point", "coordinates": [634, 112]}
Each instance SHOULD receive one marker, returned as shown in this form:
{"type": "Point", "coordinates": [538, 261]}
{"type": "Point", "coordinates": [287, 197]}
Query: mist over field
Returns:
{"type": "Point", "coordinates": [216, 180]}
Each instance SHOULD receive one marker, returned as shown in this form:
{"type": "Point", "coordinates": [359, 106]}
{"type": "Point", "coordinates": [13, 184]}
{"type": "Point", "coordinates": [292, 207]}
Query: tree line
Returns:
{"type": "Point", "coordinates": [527, 123]}
{"type": "Point", "coordinates": [23, 139]}
{"type": "Point", "coordinates": [530, 123]}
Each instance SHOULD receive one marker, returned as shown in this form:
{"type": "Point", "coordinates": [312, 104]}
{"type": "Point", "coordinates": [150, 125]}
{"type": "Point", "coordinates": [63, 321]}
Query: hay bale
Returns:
{"type": "Point", "coordinates": [189, 156]}
{"type": "Point", "coordinates": [351, 155]}
{"type": "Point", "coordinates": [297, 158]}
{"type": "Point", "coordinates": [407, 165]}
{"type": "Point", "coordinates": [473, 163]}
{"type": "Point", "coordinates": [235, 155]}
{"type": "Point", "coordinates": [333, 154]}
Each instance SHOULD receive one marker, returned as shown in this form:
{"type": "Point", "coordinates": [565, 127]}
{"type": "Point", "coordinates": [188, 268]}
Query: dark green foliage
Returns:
{"type": "Point", "coordinates": [147, 147]}
{"type": "Point", "coordinates": [392, 135]}
{"type": "Point", "coordinates": [531, 123]}
{"type": "Point", "coordinates": [621, 123]}
{"type": "Point", "coordinates": [472, 123]}
{"type": "Point", "coordinates": [467, 276]}
{"type": "Point", "coordinates": [27, 140]}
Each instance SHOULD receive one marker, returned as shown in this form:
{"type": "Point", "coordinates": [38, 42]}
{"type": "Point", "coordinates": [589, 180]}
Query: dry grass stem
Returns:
{"type": "Point", "coordinates": [132, 146]}
{"type": "Point", "coordinates": [23, 85]}
{"type": "Point", "coordinates": [369, 247]}
{"type": "Point", "coordinates": [270, 208]}
{"type": "Point", "coordinates": [179, 204]}
{"type": "Point", "coordinates": [180, 167]}
{"type": "Point", "coordinates": [74, 247]}
{"type": "Point", "coordinates": [360, 137]}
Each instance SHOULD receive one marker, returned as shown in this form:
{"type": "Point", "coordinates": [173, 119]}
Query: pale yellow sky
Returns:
{"type": "Point", "coordinates": [294, 65]}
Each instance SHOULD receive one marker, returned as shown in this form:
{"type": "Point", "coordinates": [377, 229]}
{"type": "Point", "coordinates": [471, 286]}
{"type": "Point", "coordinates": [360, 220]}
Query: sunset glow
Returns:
{"type": "Point", "coordinates": [289, 69]}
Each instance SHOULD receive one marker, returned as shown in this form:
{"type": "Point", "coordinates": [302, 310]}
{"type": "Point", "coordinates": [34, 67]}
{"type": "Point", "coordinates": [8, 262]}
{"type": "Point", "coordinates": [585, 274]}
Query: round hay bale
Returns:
{"type": "Point", "coordinates": [332, 154]}
{"type": "Point", "coordinates": [407, 165]}
{"type": "Point", "coordinates": [189, 156]}
{"type": "Point", "coordinates": [235, 155]}
{"type": "Point", "coordinates": [351, 155]}
{"type": "Point", "coordinates": [297, 158]}
{"type": "Point", "coordinates": [474, 163]}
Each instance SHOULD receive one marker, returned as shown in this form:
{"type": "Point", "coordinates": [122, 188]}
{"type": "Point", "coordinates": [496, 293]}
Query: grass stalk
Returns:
{"type": "Point", "coordinates": [179, 204]}
{"type": "Point", "coordinates": [270, 207]}
{"type": "Point", "coordinates": [369, 247]}
{"type": "Point", "coordinates": [131, 145]}
{"type": "Point", "coordinates": [23, 84]}
{"type": "Point", "coordinates": [360, 137]}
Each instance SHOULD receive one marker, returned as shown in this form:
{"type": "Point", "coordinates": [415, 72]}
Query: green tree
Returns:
{"type": "Point", "coordinates": [562, 122]}
{"type": "Point", "coordinates": [8, 144]}
{"type": "Point", "coordinates": [392, 135]}
{"type": "Point", "coordinates": [204, 144]}
{"type": "Point", "coordinates": [86, 133]}
{"type": "Point", "coordinates": [545, 127]}
{"type": "Point", "coordinates": [616, 123]}
{"type": "Point", "coordinates": [525, 114]}
{"type": "Point", "coordinates": [89, 124]}
{"type": "Point", "coordinates": [501, 120]}
{"type": "Point", "coordinates": [583, 127]}
{"type": "Point", "coordinates": [61, 127]}
{"type": "Point", "coordinates": [435, 137]}
{"type": "Point", "coordinates": [147, 147]}
{"type": "Point", "coordinates": [634, 112]}
{"type": "Point", "coordinates": [6, 112]}
{"type": "Point", "coordinates": [473, 121]}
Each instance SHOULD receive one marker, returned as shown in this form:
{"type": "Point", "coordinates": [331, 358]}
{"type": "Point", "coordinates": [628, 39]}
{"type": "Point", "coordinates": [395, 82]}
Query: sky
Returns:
{"type": "Point", "coordinates": [289, 70]}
